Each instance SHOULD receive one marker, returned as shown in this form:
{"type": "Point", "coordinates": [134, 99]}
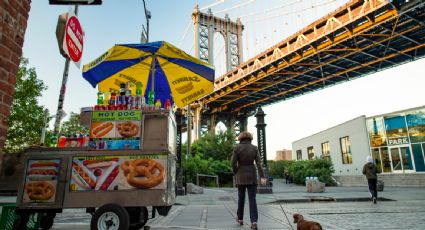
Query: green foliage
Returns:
{"type": "Point", "coordinates": [26, 115]}
{"type": "Point", "coordinates": [321, 168]}
{"type": "Point", "coordinates": [276, 168]}
{"type": "Point", "coordinates": [73, 125]}
{"type": "Point", "coordinates": [209, 155]}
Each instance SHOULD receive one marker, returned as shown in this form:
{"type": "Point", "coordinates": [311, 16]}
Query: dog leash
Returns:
{"type": "Point", "coordinates": [283, 210]}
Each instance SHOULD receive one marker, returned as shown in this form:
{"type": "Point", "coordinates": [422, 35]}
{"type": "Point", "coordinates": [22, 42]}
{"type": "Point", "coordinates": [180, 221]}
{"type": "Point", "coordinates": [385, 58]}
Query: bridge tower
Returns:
{"type": "Point", "coordinates": [205, 25]}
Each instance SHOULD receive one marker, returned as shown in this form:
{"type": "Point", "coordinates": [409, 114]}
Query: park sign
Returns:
{"type": "Point", "coordinates": [70, 37]}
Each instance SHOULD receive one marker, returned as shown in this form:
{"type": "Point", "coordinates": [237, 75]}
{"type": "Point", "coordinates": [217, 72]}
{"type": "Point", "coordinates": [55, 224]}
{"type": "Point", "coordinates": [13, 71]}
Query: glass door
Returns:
{"type": "Point", "coordinates": [401, 158]}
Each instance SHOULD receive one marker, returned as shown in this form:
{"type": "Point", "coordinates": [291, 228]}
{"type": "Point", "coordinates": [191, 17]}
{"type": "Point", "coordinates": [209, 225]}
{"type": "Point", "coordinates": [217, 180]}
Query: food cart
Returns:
{"type": "Point", "coordinates": [129, 165]}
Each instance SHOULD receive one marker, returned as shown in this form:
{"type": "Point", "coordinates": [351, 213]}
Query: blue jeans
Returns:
{"type": "Point", "coordinates": [252, 192]}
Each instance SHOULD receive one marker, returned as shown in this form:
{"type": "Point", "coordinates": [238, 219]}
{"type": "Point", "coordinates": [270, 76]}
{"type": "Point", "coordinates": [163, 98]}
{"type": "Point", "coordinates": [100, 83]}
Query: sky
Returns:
{"type": "Point", "coordinates": [266, 22]}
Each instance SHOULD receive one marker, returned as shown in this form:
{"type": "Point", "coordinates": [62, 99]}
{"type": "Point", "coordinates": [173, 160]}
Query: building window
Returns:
{"type": "Point", "coordinates": [346, 150]}
{"type": "Point", "coordinates": [326, 152]}
{"type": "Point", "coordinates": [310, 152]}
{"type": "Point", "coordinates": [299, 155]}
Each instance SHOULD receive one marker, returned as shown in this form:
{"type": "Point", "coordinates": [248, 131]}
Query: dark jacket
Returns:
{"type": "Point", "coordinates": [370, 170]}
{"type": "Point", "coordinates": [243, 157]}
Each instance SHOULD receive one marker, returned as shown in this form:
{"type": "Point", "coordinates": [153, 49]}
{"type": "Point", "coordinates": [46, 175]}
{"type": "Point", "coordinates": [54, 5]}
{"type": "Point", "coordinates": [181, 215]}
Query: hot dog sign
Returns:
{"type": "Point", "coordinates": [115, 130]}
{"type": "Point", "coordinates": [118, 172]}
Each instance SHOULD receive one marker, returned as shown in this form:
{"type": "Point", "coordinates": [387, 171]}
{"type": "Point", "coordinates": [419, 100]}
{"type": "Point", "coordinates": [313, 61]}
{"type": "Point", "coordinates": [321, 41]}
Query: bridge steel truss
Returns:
{"type": "Point", "coordinates": [205, 26]}
{"type": "Point", "coordinates": [359, 38]}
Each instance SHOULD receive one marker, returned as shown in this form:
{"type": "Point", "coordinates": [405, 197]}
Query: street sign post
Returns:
{"type": "Point", "coordinates": [73, 41]}
{"type": "Point", "coordinates": [75, 2]}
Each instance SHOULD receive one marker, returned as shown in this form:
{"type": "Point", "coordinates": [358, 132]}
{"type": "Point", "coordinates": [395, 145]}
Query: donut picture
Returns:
{"type": "Point", "coordinates": [128, 129]}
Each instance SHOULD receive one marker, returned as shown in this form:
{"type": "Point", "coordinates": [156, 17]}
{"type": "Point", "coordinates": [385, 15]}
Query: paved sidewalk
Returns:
{"type": "Point", "coordinates": [337, 208]}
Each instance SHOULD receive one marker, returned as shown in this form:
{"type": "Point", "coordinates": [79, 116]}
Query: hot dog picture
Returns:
{"type": "Point", "coordinates": [101, 129]}
{"type": "Point", "coordinates": [94, 174]}
{"type": "Point", "coordinates": [42, 170]}
{"type": "Point", "coordinates": [185, 88]}
{"type": "Point", "coordinates": [82, 176]}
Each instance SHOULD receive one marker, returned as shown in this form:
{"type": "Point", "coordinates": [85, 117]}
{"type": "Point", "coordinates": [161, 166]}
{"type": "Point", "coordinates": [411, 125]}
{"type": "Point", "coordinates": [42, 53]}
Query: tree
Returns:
{"type": "Point", "coordinates": [26, 115]}
{"type": "Point", "coordinates": [72, 126]}
{"type": "Point", "coordinates": [210, 155]}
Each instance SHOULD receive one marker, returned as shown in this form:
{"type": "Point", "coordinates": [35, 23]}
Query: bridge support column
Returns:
{"type": "Point", "coordinates": [197, 123]}
{"type": "Point", "coordinates": [261, 138]}
{"type": "Point", "coordinates": [179, 169]}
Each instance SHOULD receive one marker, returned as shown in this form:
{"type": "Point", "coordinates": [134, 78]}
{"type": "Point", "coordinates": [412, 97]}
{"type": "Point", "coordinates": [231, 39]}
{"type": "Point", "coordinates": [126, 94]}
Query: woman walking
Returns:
{"type": "Point", "coordinates": [243, 157]}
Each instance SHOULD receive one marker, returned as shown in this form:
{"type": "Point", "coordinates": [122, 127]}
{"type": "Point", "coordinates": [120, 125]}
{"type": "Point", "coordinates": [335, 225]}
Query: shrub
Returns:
{"type": "Point", "coordinates": [276, 168]}
{"type": "Point", "coordinates": [321, 168]}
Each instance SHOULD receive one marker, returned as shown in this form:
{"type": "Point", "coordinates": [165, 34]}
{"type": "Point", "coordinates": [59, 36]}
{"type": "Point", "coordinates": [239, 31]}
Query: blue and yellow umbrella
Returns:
{"type": "Point", "coordinates": [169, 71]}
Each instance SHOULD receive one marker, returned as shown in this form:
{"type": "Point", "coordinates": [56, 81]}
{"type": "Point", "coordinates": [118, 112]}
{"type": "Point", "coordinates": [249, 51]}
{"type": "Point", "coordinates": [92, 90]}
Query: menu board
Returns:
{"type": "Point", "coordinates": [146, 171]}
{"type": "Point", "coordinates": [115, 129]}
{"type": "Point", "coordinates": [41, 181]}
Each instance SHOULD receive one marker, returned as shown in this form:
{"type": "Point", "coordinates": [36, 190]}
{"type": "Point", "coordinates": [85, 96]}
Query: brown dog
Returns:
{"type": "Point", "coordinates": [304, 224]}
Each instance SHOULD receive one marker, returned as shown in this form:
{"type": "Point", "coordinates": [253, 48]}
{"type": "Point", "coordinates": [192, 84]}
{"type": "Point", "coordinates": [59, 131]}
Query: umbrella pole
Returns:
{"type": "Point", "coordinates": [151, 94]}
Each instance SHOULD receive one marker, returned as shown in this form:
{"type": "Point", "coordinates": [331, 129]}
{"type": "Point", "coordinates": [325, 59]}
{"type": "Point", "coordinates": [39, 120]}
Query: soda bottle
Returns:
{"type": "Point", "coordinates": [158, 104]}
{"type": "Point", "coordinates": [53, 140]}
{"type": "Point", "coordinates": [139, 88]}
{"type": "Point", "coordinates": [151, 99]}
{"type": "Point", "coordinates": [106, 97]}
{"type": "Point", "coordinates": [121, 100]}
{"type": "Point", "coordinates": [62, 140]}
{"type": "Point", "coordinates": [137, 100]}
{"type": "Point", "coordinates": [129, 98]}
{"type": "Point", "coordinates": [111, 103]}
{"type": "Point", "coordinates": [74, 140]}
{"type": "Point", "coordinates": [99, 105]}
{"type": "Point", "coordinates": [68, 141]}
{"type": "Point", "coordinates": [167, 105]}
{"type": "Point", "coordinates": [80, 140]}
{"type": "Point", "coordinates": [86, 140]}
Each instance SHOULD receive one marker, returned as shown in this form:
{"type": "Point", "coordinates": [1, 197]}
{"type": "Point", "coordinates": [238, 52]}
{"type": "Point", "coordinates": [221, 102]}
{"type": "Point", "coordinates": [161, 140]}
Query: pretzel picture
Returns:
{"type": "Point", "coordinates": [143, 173]}
{"type": "Point", "coordinates": [128, 129]}
{"type": "Point", "coordinates": [101, 129]}
{"type": "Point", "coordinates": [40, 190]}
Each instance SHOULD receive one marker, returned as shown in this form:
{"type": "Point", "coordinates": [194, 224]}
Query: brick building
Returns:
{"type": "Point", "coordinates": [13, 24]}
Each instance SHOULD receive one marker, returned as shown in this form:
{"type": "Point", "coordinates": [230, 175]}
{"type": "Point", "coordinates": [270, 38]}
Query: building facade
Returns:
{"type": "Point", "coordinates": [395, 140]}
{"type": "Point", "coordinates": [284, 154]}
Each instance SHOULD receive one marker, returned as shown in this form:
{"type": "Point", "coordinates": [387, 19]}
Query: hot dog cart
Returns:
{"type": "Point", "coordinates": [130, 165]}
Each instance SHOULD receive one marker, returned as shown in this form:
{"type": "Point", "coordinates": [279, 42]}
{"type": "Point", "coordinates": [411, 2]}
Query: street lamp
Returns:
{"type": "Point", "coordinates": [145, 37]}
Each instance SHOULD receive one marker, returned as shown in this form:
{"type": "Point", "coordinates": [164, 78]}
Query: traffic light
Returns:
{"type": "Point", "coordinates": [75, 2]}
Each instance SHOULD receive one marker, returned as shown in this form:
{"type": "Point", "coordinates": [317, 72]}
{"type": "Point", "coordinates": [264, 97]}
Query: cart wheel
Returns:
{"type": "Point", "coordinates": [21, 222]}
{"type": "Point", "coordinates": [110, 217]}
{"type": "Point", "coordinates": [138, 217]}
{"type": "Point", "coordinates": [46, 221]}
